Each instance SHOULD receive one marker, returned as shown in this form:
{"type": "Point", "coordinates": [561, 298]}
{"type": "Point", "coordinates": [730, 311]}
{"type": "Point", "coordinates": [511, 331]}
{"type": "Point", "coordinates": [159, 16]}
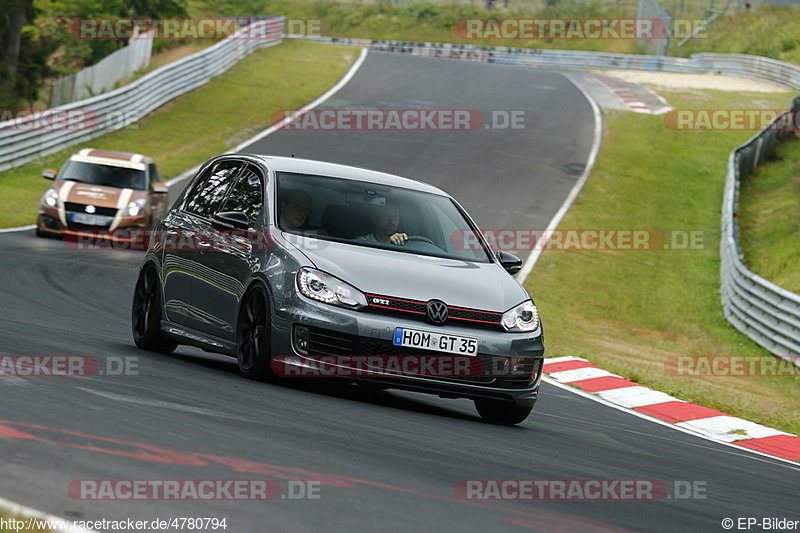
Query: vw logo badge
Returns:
{"type": "Point", "coordinates": [437, 312]}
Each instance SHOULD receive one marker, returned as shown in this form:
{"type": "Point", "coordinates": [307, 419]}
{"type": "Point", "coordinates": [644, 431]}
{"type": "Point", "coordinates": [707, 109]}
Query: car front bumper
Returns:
{"type": "Point", "coordinates": [358, 335]}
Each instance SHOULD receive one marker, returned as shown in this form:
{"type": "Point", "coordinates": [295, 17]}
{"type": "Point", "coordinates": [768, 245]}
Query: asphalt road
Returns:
{"type": "Point", "coordinates": [388, 461]}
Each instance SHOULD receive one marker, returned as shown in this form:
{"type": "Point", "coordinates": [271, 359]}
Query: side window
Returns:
{"type": "Point", "coordinates": [247, 195]}
{"type": "Point", "coordinates": [211, 187]}
{"type": "Point", "coordinates": [152, 169]}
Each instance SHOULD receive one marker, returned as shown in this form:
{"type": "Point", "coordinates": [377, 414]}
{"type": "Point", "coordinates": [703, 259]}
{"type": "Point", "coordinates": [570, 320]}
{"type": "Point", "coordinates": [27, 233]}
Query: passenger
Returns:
{"type": "Point", "coordinates": [295, 206]}
{"type": "Point", "coordinates": [385, 220]}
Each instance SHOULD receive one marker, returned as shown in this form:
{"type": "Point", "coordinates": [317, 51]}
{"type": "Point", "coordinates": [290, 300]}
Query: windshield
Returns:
{"type": "Point", "coordinates": [376, 216]}
{"type": "Point", "coordinates": [124, 178]}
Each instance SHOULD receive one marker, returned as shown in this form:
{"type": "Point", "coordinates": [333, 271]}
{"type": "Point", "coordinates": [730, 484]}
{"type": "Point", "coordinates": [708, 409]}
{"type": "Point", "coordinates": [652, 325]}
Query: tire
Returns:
{"type": "Point", "coordinates": [253, 336]}
{"type": "Point", "coordinates": [146, 314]}
{"type": "Point", "coordinates": [505, 413]}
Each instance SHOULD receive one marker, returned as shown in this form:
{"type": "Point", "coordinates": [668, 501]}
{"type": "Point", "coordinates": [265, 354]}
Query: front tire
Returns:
{"type": "Point", "coordinates": [504, 413]}
{"type": "Point", "coordinates": [253, 336]}
{"type": "Point", "coordinates": [146, 314]}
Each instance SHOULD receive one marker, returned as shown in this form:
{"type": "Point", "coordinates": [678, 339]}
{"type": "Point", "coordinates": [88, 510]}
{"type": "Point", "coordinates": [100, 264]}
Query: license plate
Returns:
{"type": "Point", "coordinates": [89, 220]}
{"type": "Point", "coordinates": [438, 342]}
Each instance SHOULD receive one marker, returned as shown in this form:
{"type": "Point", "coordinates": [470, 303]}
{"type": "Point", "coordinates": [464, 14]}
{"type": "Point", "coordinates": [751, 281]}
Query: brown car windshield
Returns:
{"type": "Point", "coordinates": [369, 214]}
{"type": "Point", "coordinates": [110, 176]}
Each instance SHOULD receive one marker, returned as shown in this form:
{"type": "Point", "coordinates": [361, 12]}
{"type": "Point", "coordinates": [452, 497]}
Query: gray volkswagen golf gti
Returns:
{"type": "Point", "coordinates": [301, 268]}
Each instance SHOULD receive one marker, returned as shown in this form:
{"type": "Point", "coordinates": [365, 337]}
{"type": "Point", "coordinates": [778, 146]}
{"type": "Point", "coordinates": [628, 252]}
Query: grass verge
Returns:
{"type": "Point", "coordinates": [627, 311]}
{"type": "Point", "coordinates": [769, 214]}
{"type": "Point", "coordinates": [5, 517]}
{"type": "Point", "coordinates": [204, 122]}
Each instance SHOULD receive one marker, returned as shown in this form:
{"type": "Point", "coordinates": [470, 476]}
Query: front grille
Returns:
{"type": "Point", "coordinates": [97, 230]}
{"type": "Point", "coordinates": [494, 368]}
{"type": "Point", "coordinates": [81, 208]}
{"type": "Point", "coordinates": [417, 310]}
{"type": "Point", "coordinates": [329, 342]}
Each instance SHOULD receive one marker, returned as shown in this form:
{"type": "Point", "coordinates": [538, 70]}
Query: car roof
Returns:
{"type": "Point", "coordinates": [335, 170]}
{"type": "Point", "coordinates": [112, 158]}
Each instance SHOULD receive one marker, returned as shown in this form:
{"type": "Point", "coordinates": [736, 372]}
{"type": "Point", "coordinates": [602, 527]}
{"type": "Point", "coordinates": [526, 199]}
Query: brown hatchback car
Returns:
{"type": "Point", "coordinates": [102, 192]}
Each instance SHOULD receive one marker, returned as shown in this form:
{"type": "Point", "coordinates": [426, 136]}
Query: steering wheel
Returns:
{"type": "Point", "coordinates": [419, 238]}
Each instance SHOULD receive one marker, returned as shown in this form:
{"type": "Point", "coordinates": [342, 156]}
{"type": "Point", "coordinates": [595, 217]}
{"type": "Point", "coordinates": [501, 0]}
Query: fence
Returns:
{"type": "Point", "coordinates": [23, 141]}
{"type": "Point", "coordinates": [761, 310]}
{"type": "Point", "coordinates": [104, 75]}
{"type": "Point", "coordinates": [648, 9]}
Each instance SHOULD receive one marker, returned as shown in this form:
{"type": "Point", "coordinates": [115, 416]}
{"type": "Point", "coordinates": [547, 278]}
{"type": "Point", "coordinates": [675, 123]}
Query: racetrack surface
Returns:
{"type": "Point", "coordinates": [389, 460]}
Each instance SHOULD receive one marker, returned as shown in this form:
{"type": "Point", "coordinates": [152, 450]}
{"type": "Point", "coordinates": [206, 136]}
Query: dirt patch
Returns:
{"type": "Point", "coordinates": [672, 80]}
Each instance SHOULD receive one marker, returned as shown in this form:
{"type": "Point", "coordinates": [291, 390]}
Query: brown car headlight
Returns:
{"type": "Point", "coordinates": [50, 197]}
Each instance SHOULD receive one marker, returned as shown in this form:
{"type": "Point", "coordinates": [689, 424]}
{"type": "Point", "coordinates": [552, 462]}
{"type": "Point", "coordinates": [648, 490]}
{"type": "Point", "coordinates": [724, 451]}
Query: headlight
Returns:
{"type": "Point", "coordinates": [50, 197]}
{"type": "Point", "coordinates": [327, 289]}
{"type": "Point", "coordinates": [135, 208]}
{"type": "Point", "coordinates": [524, 317]}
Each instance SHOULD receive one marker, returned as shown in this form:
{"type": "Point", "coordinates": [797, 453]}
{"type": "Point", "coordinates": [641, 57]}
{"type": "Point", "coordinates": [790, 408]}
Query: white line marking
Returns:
{"type": "Point", "coordinates": [688, 431]}
{"type": "Point", "coordinates": [29, 512]}
{"type": "Point", "coordinates": [18, 228]}
{"type": "Point", "coordinates": [563, 359]}
{"type": "Point", "coordinates": [333, 90]}
{"type": "Point", "coordinates": [635, 396]}
{"type": "Point", "coordinates": [573, 194]}
{"type": "Point", "coordinates": [165, 405]}
{"type": "Point", "coordinates": [272, 129]}
{"type": "Point", "coordinates": [578, 374]}
{"type": "Point", "coordinates": [729, 428]}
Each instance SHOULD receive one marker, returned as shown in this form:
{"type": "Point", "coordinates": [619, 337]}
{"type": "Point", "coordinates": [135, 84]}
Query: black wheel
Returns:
{"type": "Point", "coordinates": [146, 314]}
{"type": "Point", "coordinates": [507, 413]}
{"type": "Point", "coordinates": [253, 336]}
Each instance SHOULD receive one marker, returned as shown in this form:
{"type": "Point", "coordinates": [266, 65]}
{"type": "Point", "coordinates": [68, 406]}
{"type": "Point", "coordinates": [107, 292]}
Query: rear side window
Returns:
{"type": "Point", "coordinates": [247, 195]}
{"type": "Point", "coordinates": [210, 189]}
{"type": "Point", "coordinates": [153, 171]}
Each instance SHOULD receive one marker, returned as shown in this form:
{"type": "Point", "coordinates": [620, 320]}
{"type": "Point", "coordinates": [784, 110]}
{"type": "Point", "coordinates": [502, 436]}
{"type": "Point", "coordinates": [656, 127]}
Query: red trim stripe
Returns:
{"type": "Point", "coordinates": [785, 446]}
{"type": "Point", "coordinates": [603, 383]}
{"type": "Point", "coordinates": [396, 309]}
{"type": "Point", "coordinates": [549, 368]}
{"type": "Point", "coordinates": [675, 412]}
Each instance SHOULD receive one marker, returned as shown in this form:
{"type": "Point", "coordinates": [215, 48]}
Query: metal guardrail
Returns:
{"type": "Point", "coordinates": [23, 141]}
{"type": "Point", "coordinates": [765, 312]}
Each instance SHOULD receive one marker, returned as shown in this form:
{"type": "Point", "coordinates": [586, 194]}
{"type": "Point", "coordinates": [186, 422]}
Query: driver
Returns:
{"type": "Point", "coordinates": [385, 221]}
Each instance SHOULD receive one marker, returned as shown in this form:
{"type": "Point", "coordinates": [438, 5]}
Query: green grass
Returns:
{"type": "Point", "coordinates": [769, 214]}
{"type": "Point", "coordinates": [7, 516]}
{"type": "Point", "coordinates": [765, 31]}
{"type": "Point", "coordinates": [205, 122]}
{"type": "Point", "coordinates": [430, 21]}
{"type": "Point", "coordinates": [629, 310]}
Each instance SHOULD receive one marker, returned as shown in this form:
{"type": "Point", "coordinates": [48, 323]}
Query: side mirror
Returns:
{"type": "Point", "coordinates": [510, 262]}
{"type": "Point", "coordinates": [235, 219]}
{"type": "Point", "coordinates": [49, 173]}
{"type": "Point", "coordinates": [160, 188]}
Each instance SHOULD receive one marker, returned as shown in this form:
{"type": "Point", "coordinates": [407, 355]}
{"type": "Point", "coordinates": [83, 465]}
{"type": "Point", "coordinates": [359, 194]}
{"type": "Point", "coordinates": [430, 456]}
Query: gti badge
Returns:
{"type": "Point", "coordinates": [437, 312]}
